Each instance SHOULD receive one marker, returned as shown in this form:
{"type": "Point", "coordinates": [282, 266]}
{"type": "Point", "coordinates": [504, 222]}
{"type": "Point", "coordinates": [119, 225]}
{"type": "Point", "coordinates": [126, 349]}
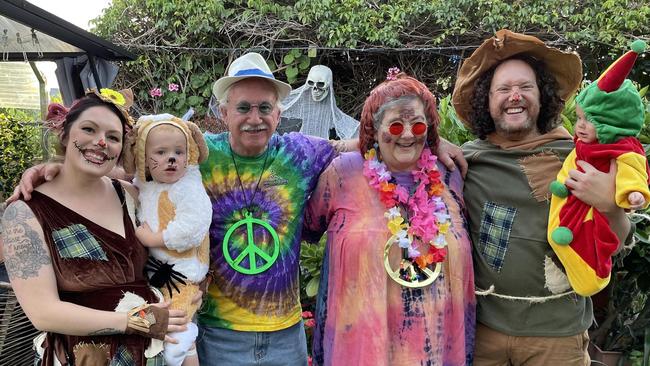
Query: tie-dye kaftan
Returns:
{"type": "Point", "coordinates": [365, 318]}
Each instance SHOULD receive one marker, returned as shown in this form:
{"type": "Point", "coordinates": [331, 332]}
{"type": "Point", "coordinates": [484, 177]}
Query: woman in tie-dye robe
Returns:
{"type": "Point", "coordinates": [363, 317]}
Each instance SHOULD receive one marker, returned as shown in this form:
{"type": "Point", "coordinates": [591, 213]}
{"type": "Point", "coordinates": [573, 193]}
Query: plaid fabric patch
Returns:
{"type": "Point", "coordinates": [157, 360]}
{"type": "Point", "coordinates": [75, 241]}
{"type": "Point", "coordinates": [122, 357]}
{"type": "Point", "coordinates": [496, 224]}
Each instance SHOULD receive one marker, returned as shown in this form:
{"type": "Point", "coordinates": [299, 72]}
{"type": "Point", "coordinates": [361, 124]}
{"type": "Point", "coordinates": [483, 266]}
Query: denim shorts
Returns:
{"type": "Point", "coordinates": [225, 347]}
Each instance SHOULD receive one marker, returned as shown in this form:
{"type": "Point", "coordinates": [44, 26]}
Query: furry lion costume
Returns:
{"type": "Point", "coordinates": [182, 212]}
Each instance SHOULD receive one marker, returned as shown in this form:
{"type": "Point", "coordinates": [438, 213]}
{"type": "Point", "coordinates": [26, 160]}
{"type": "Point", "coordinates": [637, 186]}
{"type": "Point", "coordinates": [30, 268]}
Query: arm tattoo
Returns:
{"type": "Point", "coordinates": [25, 252]}
{"type": "Point", "coordinates": [104, 332]}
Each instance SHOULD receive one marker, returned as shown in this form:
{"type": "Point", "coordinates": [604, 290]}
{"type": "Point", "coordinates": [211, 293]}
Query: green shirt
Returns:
{"type": "Point", "coordinates": [508, 230]}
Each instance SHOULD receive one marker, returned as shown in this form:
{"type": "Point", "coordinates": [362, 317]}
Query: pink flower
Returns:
{"type": "Point", "coordinates": [307, 314]}
{"type": "Point", "coordinates": [310, 323]}
{"type": "Point", "coordinates": [173, 87]}
{"type": "Point", "coordinates": [309, 361]}
{"type": "Point", "coordinates": [392, 73]}
{"type": "Point", "coordinates": [155, 92]}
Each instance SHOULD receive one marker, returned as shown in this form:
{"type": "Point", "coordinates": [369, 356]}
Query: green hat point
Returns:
{"type": "Point", "coordinates": [638, 46]}
{"type": "Point", "coordinates": [562, 235]}
{"type": "Point", "coordinates": [558, 189]}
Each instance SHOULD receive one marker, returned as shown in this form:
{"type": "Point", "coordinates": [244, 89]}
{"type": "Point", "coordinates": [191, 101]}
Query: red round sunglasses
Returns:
{"type": "Point", "coordinates": [417, 129]}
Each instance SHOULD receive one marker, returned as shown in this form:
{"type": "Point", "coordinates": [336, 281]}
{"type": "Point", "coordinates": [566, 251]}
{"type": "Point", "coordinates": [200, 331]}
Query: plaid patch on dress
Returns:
{"type": "Point", "coordinates": [157, 360]}
{"type": "Point", "coordinates": [122, 357]}
{"type": "Point", "coordinates": [496, 224]}
{"type": "Point", "coordinates": [75, 241]}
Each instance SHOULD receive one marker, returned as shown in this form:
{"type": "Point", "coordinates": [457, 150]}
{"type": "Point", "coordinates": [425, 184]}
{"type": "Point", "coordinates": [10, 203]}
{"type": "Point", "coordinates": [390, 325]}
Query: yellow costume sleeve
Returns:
{"type": "Point", "coordinates": [631, 176]}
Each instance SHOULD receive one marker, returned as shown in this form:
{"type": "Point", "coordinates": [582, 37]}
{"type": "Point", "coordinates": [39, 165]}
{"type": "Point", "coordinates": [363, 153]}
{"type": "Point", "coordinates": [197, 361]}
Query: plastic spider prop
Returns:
{"type": "Point", "coordinates": [164, 275]}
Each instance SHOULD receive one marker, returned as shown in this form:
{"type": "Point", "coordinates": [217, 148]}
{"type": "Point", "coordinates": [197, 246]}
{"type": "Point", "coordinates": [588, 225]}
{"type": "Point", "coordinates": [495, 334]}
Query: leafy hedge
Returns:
{"type": "Point", "coordinates": [19, 147]}
{"type": "Point", "coordinates": [189, 43]}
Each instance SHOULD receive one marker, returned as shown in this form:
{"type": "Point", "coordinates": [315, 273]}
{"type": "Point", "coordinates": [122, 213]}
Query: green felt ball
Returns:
{"type": "Point", "coordinates": [562, 235]}
{"type": "Point", "coordinates": [638, 46]}
{"type": "Point", "coordinates": [558, 189]}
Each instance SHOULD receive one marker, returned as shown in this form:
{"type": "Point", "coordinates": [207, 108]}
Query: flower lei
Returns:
{"type": "Point", "coordinates": [424, 233]}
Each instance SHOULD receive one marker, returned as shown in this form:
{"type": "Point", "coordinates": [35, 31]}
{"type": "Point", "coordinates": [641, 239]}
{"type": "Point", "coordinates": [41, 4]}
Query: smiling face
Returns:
{"type": "Point", "coordinates": [400, 148]}
{"type": "Point", "coordinates": [514, 100]}
{"type": "Point", "coordinates": [94, 142]}
{"type": "Point", "coordinates": [584, 130]}
{"type": "Point", "coordinates": [166, 154]}
{"type": "Point", "coordinates": [251, 114]}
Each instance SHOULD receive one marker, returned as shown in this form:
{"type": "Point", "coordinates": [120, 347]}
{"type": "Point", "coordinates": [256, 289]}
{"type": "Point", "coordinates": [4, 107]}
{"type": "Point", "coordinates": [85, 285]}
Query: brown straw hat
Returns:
{"type": "Point", "coordinates": [565, 66]}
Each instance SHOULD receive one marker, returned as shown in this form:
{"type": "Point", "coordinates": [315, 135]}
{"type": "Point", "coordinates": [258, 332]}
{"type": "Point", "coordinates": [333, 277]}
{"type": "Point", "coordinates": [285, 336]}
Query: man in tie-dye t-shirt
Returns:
{"type": "Point", "coordinates": [259, 183]}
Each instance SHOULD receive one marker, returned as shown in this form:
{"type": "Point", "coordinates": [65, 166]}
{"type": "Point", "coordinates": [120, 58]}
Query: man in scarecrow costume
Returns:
{"type": "Point", "coordinates": [510, 93]}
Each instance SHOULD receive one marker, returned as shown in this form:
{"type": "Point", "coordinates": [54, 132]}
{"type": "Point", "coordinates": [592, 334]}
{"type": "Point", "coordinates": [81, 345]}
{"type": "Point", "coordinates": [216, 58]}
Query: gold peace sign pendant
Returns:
{"type": "Point", "coordinates": [409, 274]}
{"type": "Point", "coordinates": [252, 251]}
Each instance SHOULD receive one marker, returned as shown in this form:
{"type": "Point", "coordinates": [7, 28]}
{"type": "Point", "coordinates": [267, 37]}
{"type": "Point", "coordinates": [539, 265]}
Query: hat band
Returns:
{"type": "Point", "coordinates": [253, 72]}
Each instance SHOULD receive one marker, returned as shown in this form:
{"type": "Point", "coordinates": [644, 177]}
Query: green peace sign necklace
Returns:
{"type": "Point", "coordinates": [252, 251]}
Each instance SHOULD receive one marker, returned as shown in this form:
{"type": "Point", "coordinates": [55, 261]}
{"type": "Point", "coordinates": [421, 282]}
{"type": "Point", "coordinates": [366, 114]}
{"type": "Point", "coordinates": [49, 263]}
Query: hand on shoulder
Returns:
{"type": "Point", "coordinates": [32, 178]}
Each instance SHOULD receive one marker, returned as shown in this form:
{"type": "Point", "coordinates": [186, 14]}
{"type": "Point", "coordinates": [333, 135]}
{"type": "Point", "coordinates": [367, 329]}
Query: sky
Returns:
{"type": "Point", "coordinates": [77, 12]}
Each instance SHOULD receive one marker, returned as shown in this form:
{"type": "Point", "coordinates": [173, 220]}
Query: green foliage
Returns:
{"type": "Point", "coordinates": [644, 136]}
{"type": "Point", "coordinates": [590, 24]}
{"type": "Point", "coordinates": [295, 62]}
{"type": "Point", "coordinates": [311, 260]}
{"type": "Point", "coordinates": [19, 147]}
{"type": "Point", "coordinates": [190, 42]}
{"type": "Point", "coordinates": [628, 312]}
{"type": "Point", "coordinates": [175, 41]}
{"type": "Point", "coordinates": [568, 114]}
{"type": "Point", "coordinates": [451, 127]}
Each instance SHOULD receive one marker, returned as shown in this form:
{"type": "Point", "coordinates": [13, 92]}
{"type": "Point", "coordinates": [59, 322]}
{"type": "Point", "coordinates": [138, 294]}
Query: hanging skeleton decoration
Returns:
{"type": "Point", "coordinates": [319, 79]}
{"type": "Point", "coordinates": [312, 110]}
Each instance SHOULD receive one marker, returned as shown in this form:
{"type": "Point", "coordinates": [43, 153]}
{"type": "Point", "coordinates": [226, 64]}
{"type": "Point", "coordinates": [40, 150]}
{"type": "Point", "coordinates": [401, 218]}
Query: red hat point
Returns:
{"type": "Point", "coordinates": [616, 73]}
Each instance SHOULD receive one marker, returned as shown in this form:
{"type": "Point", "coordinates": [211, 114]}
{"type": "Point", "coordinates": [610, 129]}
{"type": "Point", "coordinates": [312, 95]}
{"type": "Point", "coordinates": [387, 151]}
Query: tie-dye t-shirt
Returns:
{"type": "Point", "coordinates": [290, 167]}
{"type": "Point", "coordinates": [362, 316]}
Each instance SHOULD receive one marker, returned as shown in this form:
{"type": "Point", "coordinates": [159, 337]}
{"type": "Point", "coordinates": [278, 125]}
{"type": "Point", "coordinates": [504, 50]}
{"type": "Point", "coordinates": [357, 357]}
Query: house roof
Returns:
{"type": "Point", "coordinates": [28, 32]}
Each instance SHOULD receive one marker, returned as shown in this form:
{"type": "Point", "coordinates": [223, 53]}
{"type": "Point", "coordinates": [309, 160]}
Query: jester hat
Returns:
{"type": "Point", "coordinates": [612, 103]}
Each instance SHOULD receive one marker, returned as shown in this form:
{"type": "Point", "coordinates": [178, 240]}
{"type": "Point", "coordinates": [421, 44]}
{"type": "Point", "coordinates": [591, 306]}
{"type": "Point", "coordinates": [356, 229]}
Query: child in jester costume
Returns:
{"type": "Point", "coordinates": [175, 214]}
{"type": "Point", "coordinates": [610, 115]}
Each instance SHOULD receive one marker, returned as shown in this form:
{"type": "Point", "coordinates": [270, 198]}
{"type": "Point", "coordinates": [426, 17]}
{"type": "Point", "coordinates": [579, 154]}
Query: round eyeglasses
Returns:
{"type": "Point", "coordinates": [264, 108]}
{"type": "Point", "coordinates": [417, 128]}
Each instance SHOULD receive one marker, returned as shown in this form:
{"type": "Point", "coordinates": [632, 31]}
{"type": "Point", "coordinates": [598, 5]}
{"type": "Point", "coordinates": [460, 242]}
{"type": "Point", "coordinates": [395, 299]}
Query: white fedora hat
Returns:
{"type": "Point", "coordinates": [249, 65]}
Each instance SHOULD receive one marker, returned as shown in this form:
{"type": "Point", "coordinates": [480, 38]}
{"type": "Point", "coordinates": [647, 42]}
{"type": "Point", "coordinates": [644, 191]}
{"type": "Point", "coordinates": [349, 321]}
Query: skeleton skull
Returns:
{"type": "Point", "coordinates": [319, 80]}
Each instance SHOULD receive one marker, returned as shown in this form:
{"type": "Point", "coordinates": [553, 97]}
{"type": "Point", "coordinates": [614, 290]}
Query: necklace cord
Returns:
{"type": "Point", "coordinates": [259, 179]}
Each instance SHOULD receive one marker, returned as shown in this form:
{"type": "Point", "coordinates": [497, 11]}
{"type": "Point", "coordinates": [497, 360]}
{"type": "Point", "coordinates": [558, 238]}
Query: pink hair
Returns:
{"type": "Point", "coordinates": [402, 85]}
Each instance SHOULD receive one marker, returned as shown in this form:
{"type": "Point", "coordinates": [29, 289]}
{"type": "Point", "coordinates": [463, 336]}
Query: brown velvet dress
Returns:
{"type": "Point", "coordinates": [93, 267]}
